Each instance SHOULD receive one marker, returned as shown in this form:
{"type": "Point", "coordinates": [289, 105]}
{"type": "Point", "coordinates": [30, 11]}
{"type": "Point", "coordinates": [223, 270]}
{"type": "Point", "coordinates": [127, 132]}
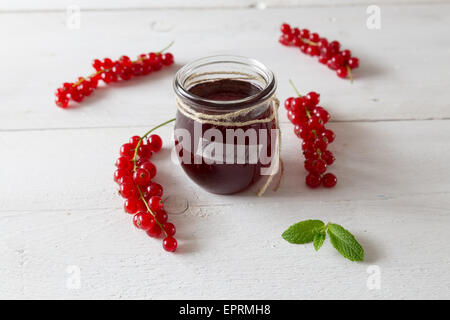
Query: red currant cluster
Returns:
{"type": "Point", "coordinates": [309, 121]}
{"type": "Point", "coordinates": [111, 71]}
{"type": "Point", "coordinates": [134, 175]}
{"type": "Point", "coordinates": [329, 53]}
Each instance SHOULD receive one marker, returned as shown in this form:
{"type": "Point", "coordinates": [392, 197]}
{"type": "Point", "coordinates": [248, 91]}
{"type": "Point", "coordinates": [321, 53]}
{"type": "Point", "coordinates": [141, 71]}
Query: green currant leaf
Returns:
{"type": "Point", "coordinates": [303, 232]}
{"type": "Point", "coordinates": [319, 238]}
{"type": "Point", "coordinates": [345, 243]}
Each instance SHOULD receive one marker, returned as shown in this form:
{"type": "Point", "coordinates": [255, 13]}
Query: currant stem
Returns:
{"type": "Point", "coordinates": [295, 88]}
{"type": "Point", "coordinates": [149, 210]}
{"type": "Point", "coordinates": [309, 42]}
{"type": "Point", "coordinates": [349, 73]}
{"type": "Point", "coordinates": [167, 47]}
{"type": "Point", "coordinates": [308, 114]}
{"type": "Point", "coordinates": [145, 135]}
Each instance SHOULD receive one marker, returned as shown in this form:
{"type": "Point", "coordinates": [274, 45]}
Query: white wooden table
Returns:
{"type": "Point", "coordinates": [59, 210]}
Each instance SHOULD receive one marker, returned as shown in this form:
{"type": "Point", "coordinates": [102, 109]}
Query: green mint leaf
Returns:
{"type": "Point", "coordinates": [303, 232]}
{"type": "Point", "coordinates": [319, 238]}
{"type": "Point", "coordinates": [345, 243]}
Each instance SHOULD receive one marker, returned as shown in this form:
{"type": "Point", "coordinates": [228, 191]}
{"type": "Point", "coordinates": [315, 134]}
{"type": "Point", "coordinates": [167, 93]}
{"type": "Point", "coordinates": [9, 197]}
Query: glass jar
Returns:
{"type": "Point", "coordinates": [225, 129]}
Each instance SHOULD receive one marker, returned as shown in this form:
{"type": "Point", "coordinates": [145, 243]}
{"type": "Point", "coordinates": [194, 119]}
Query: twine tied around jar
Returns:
{"type": "Point", "coordinates": [230, 120]}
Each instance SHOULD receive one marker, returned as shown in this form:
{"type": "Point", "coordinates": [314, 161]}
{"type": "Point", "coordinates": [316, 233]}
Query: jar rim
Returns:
{"type": "Point", "coordinates": [267, 91]}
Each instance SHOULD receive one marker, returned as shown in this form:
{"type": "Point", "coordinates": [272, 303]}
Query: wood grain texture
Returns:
{"type": "Point", "coordinates": [59, 206]}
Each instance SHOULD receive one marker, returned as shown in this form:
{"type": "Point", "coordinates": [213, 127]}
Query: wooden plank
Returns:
{"type": "Point", "coordinates": [387, 86]}
{"type": "Point", "coordinates": [29, 5]}
{"type": "Point", "coordinates": [234, 252]}
{"type": "Point", "coordinates": [73, 168]}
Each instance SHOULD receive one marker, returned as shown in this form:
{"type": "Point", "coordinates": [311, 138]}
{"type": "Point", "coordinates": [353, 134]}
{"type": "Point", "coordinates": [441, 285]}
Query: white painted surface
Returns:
{"type": "Point", "coordinates": [59, 206]}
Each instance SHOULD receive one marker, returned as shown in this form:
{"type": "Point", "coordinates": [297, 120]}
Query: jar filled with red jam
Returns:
{"type": "Point", "coordinates": [226, 130]}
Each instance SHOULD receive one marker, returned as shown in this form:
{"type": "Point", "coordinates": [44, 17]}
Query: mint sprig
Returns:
{"type": "Point", "coordinates": [315, 231]}
{"type": "Point", "coordinates": [303, 232]}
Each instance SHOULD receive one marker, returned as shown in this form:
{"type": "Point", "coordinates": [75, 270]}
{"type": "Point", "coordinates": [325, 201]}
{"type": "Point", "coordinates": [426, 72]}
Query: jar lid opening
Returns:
{"type": "Point", "coordinates": [225, 67]}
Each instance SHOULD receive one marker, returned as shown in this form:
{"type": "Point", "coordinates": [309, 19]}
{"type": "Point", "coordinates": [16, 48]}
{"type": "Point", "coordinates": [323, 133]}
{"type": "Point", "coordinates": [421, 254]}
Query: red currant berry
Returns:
{"type": "Point", "coordinates": [298, 105]}
{"type": "Point", "coordinates": [62, 102]}
{"type": "Point", "coordinates": [126, 179]}
{"type": "Point", "coordinates": [328, 135]}
{"type": "Point", "coordinates": [141, 177]}
{"type": "Point", "coordinates": [310, 154]}
{"type": "Point", "coordinates": [119, 173]}
{"type": "Point", "coordinates": [303, 131]}
{"type": "Point", "coordinates": [353, 63]}
{"type": "Point", "coordinates": [304, 48]}
{"type": "Point", "coordinates": [319, 166]}
{"type": "Point", "coordinates": [170, 244]}
{"type": "Point", "coordinates": [297, 41]}
{"type": "Point", "coordinates": [342, 72]}
{"type": "Point", "coordinates": [155, 203]}
{"type": "Point", "coordinates": [312, 180]}
{"type": "Point", "coordinates": [306, 145]}
{"type": "Point", "coordinates": [76, 95]}
{"type": "Point", "coordinates": [322, 114]}
{"type": "Point", "coordinates": [94, 81]}
{"type": "Point", "coordinates": [134, 140]}
{"type": "Point", "coordinates": [304, 33]}
{"type": "Point", "coordinates": [126, 73]}
{"type": "Point", "coordinates": [128, 190]}
{"type": "Point", "coordinates": [125, 61]}
{"type": "Point", "coordinates": [124, 163]}
{"type": "Point", "coordinates": [313, 98]}
{"type": "Point", "coordinates": [288, 103]}
{"type": "Point", "coordinates": [315, 123]}
{"type": "Point", "coordinates": [155, 142]}
{"type": "Point", "coordinates": [336, 62]}
{"type": "Point", "coordinates": [136, 69]}
{"type": "Point", "coordinates": [296, 118]}
{"type": "Point", "coordinates": [143, 220]}
{"type": "Point", "coordinates": [313, 51]}
{"type": "Point", "coordinates": [309, 165]}
{"type": "Point", "coordinates": [169, 228]}
{"type": "Point", "coordinates": [97, 64]}
{"type": "Point", "coordinates": [328, 157]}
{"type": "Point", "coordinates": [127, 150]}
{"type": "Point", "coordinates": [347, 54]}
{"type": "Point", "coordinates": [131, 205]}
{"type": "Point", "coordinates": [154, 231]}
{"type": "Point", "coordinates": [285, 28]}
{"type": "Point", "coordinates": [144, 151]}
{"type": "Point", "coordinates": [282, 39]}
{"type": "Point", "coordinates": [334, 46]}
{"type": "Point", "coordinates": [107, 63]}
{"type": "Point", "coordinates": [167, 59]}
{"type": "Point", "coordinates": [314, 37]}
{"type": "Point", "coordinates": [154, 189]}
{"type": "Point", "coordinates": [150, 167]}
{"type": "Point", "coordinates": [322, 43]}
{"type": "Point", "coordinates": [161, 216]}
{"type": "Point", "coordinates": [319, 144]}
{"type": "Point", "coordinates": [329, 180]}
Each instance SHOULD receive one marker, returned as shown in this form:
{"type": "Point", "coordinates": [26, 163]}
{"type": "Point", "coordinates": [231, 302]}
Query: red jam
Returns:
{"type": "Point", "coordinates": [225, 178]}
